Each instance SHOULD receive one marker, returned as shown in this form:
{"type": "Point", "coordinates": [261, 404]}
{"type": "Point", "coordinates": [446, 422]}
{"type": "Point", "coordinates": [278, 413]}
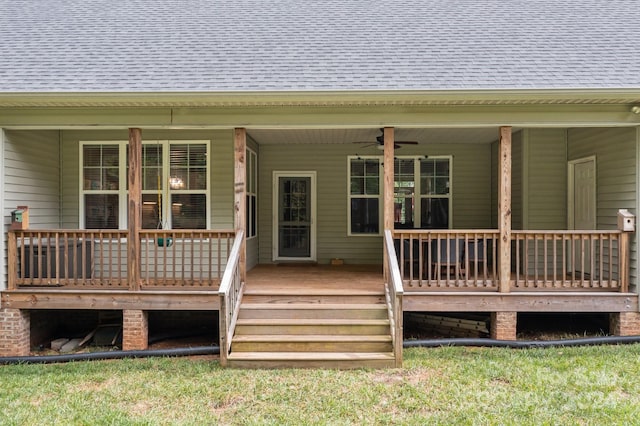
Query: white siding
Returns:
{"type": "Point", "coordinates": [616, 168]}
{"type": "Point", "coordinates": [471, 193]}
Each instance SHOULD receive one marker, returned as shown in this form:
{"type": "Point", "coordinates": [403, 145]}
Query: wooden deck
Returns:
{"type": "Point", "coordinates": [321, 279]}
{"type": "Point", "coordinates": [317, 278]}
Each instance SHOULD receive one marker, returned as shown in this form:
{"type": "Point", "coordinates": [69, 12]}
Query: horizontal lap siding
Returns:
{"type": "Point", "coordinates": [546, 180]}
{"type": "Point", "coordinates": [517, 172]}
{"type": "Point", "coordinates": [471, 189]}
{"type": "Point", "coordinates": [32, 176]}
{"type": "Point", "coordinates": [616, 168]}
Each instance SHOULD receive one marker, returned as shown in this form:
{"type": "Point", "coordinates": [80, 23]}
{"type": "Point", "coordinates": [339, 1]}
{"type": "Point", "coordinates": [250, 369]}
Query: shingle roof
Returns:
{"type": "Point", "coordinates": [320, 45]}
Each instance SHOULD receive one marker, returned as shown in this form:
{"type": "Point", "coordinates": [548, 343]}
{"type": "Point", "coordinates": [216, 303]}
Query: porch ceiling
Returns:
{"type": "Point", "coordinates": [349, 135]}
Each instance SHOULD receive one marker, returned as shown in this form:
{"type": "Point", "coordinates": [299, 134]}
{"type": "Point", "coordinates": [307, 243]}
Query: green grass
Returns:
{"type": "Point", "coordinates": [589, 385]}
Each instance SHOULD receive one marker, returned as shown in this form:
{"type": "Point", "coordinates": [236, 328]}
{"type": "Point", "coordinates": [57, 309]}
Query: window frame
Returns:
{"type": "Point", "coordinates": [123, 190]}
{"type": "Point", "coordinates": [379, 196]}
{"type": "Point", "coordinates": [251, 180]}
{"type": "Point", "coordinates": [417, 195]}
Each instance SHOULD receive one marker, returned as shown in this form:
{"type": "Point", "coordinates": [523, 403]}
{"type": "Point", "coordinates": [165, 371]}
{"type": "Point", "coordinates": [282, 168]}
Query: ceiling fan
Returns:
{"type": "Point", "coordinates": [379, 143]}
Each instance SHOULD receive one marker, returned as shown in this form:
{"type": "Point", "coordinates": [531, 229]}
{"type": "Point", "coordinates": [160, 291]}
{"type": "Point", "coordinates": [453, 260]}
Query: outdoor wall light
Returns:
{"type": "Point", "coordinates": [635, 109]}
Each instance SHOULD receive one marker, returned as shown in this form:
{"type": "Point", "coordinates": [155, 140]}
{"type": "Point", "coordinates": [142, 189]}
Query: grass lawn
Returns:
{"type": "Point", "coordinates": [588, 385]}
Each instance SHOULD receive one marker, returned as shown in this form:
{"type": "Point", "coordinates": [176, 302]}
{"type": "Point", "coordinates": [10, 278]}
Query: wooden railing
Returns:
{"type": "Point", "coordinates": [447, 259]}
{"type": "Point", "coordinates": [95, 259]}
{"type": "Point", "coordinates": [184, 259]}
{"type": "Point", "coordinates": [570, 260]}
{"type": "Point", "coordinates": [67, 258]}
{"type": "Point", "coordinates": [230, 292]}
{"type": "Point", "coordinates": [394, 293]}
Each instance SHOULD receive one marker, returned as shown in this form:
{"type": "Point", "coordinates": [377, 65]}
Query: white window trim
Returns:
{"type": "Point", "coordinates": [122, 185]}
{"type": "Point", "coordinates": [252, 188]}
{"type": "Point", "coordinates": [417, 190]}
{"type": "Point", "coordinates": [379, 196]}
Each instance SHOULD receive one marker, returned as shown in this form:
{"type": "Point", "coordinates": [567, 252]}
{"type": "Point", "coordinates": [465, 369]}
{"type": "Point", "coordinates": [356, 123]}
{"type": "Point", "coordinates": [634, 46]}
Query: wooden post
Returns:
{"type": "Point", "coordinates": [12, 265]}
{"type": "Point", "coordinates": [240, 201]}
{"type": "Point", "coordinates": [624, 262]}
{"type": "Point", "coordinates": [504, 209]}
{"type": "Point", "coordinates": [135, 211]}
{"type": "Point", "coordinates": [389, 164]}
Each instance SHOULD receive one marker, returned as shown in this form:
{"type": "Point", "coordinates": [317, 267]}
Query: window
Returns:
{"type": "Point", "coordinates": [252, 193]}
{"type": "Point", "coordinates": [364, 196]}
{"type": "Point", "coordinates": [175, 185]}
{"type": "Point", "coordinates": [422, 193]}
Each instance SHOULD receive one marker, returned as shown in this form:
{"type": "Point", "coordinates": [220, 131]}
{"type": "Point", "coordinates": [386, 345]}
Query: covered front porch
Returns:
{"type": "Point", "coordinates": [494, 254]}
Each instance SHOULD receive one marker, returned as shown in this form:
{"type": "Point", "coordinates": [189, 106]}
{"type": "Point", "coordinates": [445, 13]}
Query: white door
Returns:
{"type": "Point", "coordinates": [294, 216]}
{"type": "Point", "coordinates": [582, 209]}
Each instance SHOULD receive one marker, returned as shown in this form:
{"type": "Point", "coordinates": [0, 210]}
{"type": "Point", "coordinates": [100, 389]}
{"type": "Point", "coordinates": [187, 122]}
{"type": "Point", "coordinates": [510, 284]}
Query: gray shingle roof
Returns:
{"type": "Point", "coordinates": [288, 45]}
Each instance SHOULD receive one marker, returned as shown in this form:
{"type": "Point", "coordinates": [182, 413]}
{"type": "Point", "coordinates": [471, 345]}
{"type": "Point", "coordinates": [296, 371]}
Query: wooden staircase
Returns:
{"type": "Point", "coordinates": [313, 328]}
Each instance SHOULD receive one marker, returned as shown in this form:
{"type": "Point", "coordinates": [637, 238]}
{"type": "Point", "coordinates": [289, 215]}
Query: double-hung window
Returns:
{"type": "Point", "coordinates": [364, 193]}
{"type": "Point", "coordinates": [422, 193]}
{"type": "Point", "coordinates": [175, 185]}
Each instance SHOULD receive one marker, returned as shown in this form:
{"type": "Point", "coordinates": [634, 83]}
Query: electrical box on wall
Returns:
{"type": "Point", "coordinates": [626, 221]}
{"type": "Point", "coordinates": [20, 218]}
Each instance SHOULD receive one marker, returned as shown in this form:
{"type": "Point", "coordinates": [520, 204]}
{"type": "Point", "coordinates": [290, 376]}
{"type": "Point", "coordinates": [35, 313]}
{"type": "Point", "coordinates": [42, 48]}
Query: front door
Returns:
{"type": "Point", "coordinates": [294, 218]}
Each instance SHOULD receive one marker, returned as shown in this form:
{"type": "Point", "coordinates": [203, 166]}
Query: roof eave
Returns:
{"type": "Point", "coordinates": [322, 98]}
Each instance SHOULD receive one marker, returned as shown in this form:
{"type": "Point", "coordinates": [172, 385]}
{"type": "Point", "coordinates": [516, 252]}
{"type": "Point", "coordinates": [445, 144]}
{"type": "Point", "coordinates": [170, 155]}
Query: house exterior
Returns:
{"type": "Point", "coordinates": [161, 159]}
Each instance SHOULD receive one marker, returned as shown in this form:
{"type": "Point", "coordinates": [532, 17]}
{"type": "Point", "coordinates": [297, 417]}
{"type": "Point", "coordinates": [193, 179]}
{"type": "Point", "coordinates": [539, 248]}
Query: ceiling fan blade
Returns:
{"type": "Point", "coordinates": [407, 142]}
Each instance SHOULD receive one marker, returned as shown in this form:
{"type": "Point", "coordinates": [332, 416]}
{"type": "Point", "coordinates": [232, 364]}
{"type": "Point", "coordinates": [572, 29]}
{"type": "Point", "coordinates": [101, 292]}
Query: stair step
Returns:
{"type": "Point", "coordinates": [312, 338]}
{"type": "Point", "coordinates": [319, 298]}
{"type": "Point", "coordinates": [312, 343]}
{"type": "Point", "coordinates": [311, 360]}
{"type": "Point", "coordinates": [313, 310]}
{"type": "Point", "coordinates": [312, 326]}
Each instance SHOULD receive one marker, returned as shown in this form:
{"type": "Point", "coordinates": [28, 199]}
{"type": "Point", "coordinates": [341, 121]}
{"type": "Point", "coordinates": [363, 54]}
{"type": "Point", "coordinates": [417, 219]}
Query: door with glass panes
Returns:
{"type": "Point", "coordinates": [294, 218]}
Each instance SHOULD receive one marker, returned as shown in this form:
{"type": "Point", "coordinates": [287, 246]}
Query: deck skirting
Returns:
{"type": "Point", "coordinates": [520, 302]}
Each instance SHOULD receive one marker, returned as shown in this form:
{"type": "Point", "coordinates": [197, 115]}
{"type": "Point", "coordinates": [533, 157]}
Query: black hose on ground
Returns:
{"type": "Point", "coordinates": [94, 356]}
{"type": "Point", "coordinates": [521, 344]}
{"type": "Point", "coordinates": [417, 343]}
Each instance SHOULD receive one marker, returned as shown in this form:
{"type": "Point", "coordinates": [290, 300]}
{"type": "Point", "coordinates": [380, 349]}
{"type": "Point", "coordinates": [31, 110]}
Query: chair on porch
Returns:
{"type": "Point", "coordinates": [411, 258]}
{"type": "Point", "coordinates": [447, 256]}
{"type": "Point", "coordinates": [474, 254]}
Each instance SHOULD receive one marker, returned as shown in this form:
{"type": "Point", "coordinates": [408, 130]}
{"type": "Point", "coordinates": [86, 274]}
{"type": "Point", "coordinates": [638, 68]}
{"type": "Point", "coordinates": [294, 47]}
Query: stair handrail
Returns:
{"type": "Point", "coordinates": [230, 292]}
{"type": "Point", "coordinates": [394, 292]}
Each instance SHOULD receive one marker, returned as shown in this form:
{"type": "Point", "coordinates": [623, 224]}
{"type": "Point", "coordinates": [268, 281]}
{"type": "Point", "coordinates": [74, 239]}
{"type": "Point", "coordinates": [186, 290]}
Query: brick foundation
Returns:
{"type": "Point", "coordinates": [624, 324]}
{"type": "Point", "coordinates": [503, 325]}
{"type": "Point", "coordinates": [15, 332]}
{"type": "Point", "coordinates": [135, 329]}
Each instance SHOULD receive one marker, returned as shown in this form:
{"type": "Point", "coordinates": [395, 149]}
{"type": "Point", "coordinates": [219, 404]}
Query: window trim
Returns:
{"type": "Point", "coordinates": [252, 189]}
{"type": "Point", "coordinates": [122, 190]}
{"type": "Point", "coordinates": [350, 196]}
{"type": "Point", "coordinates": [417, 190]}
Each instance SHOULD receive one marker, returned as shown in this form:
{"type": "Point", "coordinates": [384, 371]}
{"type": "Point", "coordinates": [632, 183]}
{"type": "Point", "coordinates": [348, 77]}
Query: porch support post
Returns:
{"type": "Point", "coordinates": [240, 202]}
{"type": "Point", "coordinates": [135, 211]}
{"type": "Point", "coordinates": [388, 163]}
{"type": "Point", "coordinates": [504, 210]}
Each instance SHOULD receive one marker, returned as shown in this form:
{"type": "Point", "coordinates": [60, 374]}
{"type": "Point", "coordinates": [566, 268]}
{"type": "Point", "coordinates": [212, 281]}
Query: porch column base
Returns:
{"type": "Point", "coordinates": [135, 329]}
{"type": "Point", "coordinates": [624, 323]}
{"type": "Point", "coordinates": [503, 325]}
{"type": "Point", "coordinates": [15, 332]}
